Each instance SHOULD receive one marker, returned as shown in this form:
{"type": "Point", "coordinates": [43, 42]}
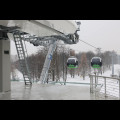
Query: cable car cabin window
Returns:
{"type": "Point", "coordinates": [72, 63]}
{"type": "Point", "coordinates": [96, 60]}
{"type": "Point", "coordinates": [96, 63]}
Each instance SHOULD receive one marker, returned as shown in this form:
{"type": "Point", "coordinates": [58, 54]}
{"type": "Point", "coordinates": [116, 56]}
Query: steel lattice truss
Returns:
{"type": "Point", "coordinates": [37, 40]}
{"type": "Point", "coordinates": [45, 41]}
{"type": "Point", "coordinates": [50, 41]}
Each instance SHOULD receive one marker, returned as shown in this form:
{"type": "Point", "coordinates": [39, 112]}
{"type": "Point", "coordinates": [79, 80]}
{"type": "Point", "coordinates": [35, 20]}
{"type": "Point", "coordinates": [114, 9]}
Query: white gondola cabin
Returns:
{"type": "Point", "coordinates": [96, 62]}
{"type": "Point", "coordinates": [72, 62]}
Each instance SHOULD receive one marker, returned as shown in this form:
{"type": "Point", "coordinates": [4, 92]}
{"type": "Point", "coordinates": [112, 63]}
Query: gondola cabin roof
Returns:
{"type": "Point", "coordinates": [96, 62]}
{"type": "Point", "coordinates": [96, 58]}
{"type": "Point", "coordinates": [72, 57]}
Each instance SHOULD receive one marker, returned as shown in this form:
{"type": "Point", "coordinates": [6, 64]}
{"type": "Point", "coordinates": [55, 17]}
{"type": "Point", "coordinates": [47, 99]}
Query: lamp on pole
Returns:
{"type": "Point", "coordinates": [112, 63]}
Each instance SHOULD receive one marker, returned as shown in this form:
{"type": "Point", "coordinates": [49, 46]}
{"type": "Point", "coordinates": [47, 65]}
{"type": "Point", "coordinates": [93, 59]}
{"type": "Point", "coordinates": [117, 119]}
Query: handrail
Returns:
{"type": "Point", "coordinates": [71, 83]}
{"type": "Point", "coordinates": [93, 89]}
{"type": "Point", "coordinates": [105, 77]}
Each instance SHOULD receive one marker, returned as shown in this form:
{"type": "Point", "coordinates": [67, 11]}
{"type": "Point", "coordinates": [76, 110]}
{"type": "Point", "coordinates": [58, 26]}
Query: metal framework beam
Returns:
{"type": "Point", "coordinates": [50, 41]}
{"type": "Point", "coordinates": [48, 60]}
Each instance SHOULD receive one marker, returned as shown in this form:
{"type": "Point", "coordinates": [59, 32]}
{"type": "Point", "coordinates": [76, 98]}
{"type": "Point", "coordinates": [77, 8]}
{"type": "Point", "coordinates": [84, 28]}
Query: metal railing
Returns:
{"type": "Point", "coordinates": [105, 86]}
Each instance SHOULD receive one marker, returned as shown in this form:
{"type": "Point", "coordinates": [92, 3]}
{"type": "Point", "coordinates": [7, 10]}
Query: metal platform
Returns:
{"type": "Point", "coordinates": [50, 92]}
{"type": "Point", "coordinates": [46, 92]}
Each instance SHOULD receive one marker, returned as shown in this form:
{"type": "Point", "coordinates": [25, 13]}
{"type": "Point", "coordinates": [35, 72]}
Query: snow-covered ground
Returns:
{"type": "Point", "coordinates": [77, 81]}
{"type": "Point", "coordinates": [111, 84]}
{"type": "Point", "coordinates": [116, 71]}
{"type": "Point", "coordinates": [18, 75]}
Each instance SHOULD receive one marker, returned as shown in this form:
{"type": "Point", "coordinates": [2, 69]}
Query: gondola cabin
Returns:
{"type": "Point", "coordinates": [72, 62]}
{"type": "Point", "coordinates": [96, 62]}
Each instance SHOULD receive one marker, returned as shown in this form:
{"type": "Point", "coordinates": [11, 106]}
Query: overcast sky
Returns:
{"type": "Point", "coordinates": [103, 34]}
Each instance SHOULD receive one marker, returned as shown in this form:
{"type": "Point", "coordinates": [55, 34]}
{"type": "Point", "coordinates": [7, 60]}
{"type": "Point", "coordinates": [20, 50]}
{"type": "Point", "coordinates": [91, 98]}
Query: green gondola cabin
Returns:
{"type": "Point", "coordinates": [96, 62]}
{"type": "Point", "coordinates": [72, 62]}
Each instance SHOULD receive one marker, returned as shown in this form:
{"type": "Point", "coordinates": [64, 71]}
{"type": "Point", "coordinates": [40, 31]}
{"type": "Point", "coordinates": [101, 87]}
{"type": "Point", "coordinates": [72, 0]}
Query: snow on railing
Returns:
{"type": "Point", "coordinates": [109, 86]}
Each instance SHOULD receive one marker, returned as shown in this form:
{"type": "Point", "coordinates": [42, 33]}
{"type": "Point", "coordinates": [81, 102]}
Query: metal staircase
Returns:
{"type": "Point", "coordinates": [22, 57]}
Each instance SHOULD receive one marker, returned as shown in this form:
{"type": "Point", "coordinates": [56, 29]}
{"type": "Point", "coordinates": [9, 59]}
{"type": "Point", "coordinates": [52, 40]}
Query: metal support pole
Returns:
{"type": "Point", "coordinates": [95, 81]}
{"type": "Point", "coordinates": [63, 66]}
{"type": "Point", "coordinates": [105, 86]}
{"type": "Point", "coordinates": [119, 89]}
{"type": "Point", "coordinates": [112, 64]}
{"type": "Point", "coordinates": [48, 59]}
{"type": "Point", "coordinates": [90, 84]}
{"type": "Point", "coordinates": [64, 79]}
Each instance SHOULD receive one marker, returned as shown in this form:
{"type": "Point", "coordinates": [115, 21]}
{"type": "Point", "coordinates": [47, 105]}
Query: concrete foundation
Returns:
{"type": "Point", "coordinates": [5, 66]}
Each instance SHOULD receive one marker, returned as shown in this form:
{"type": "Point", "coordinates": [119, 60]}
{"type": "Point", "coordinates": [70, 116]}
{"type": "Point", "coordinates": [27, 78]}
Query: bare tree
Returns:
{"type": "Point", "coordinates": [89, 55]}
{"type": "Point", "coordinates": [83, 66]}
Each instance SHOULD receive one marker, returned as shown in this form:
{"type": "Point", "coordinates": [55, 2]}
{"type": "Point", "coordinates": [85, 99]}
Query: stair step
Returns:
{"type": "Point", "coordinates": [19, 47]}
{"type": "Point", "coordinates": [27, 81]}
{"type": "Point", "coordinates": [27, 78]}
{"type": "Point", "coordinates": [21, 53]}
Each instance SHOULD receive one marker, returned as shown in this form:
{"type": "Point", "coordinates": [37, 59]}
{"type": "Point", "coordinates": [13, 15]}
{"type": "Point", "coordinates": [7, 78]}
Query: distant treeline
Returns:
{"type": "Point", "coordinates": [58, 66]}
